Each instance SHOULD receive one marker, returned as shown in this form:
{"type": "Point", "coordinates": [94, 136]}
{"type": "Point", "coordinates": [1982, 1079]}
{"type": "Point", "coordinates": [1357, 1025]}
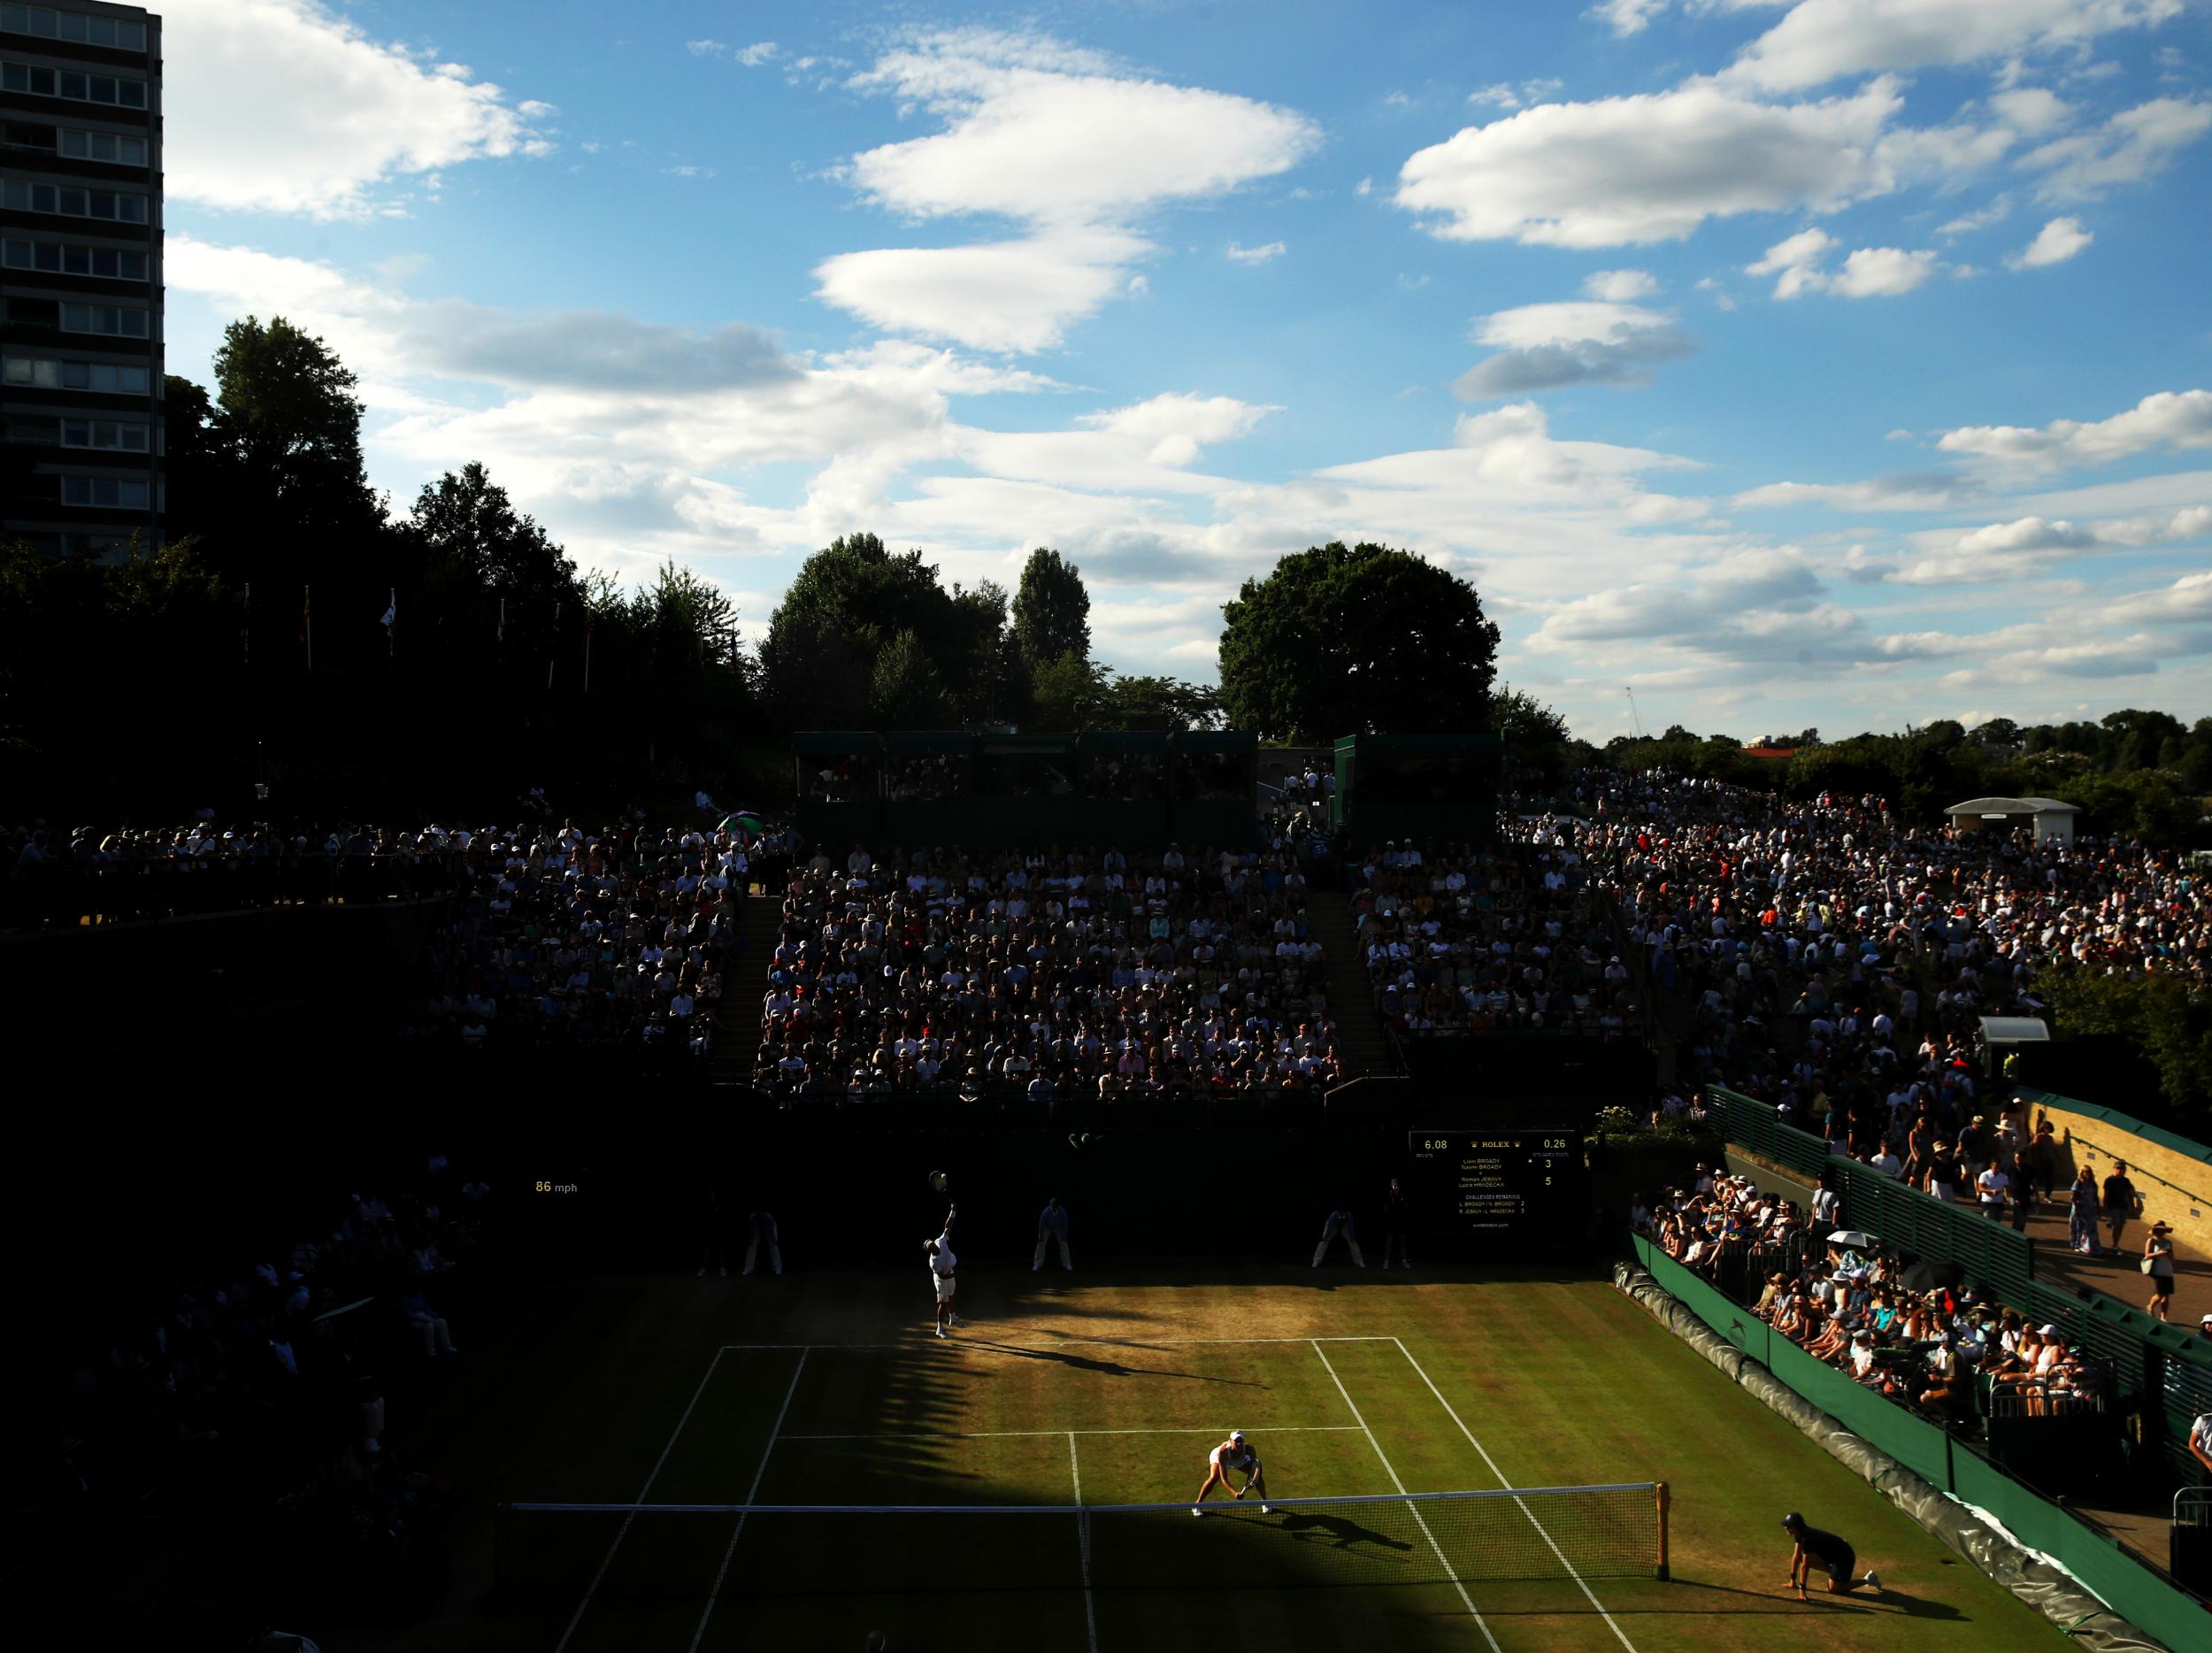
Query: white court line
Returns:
{"type": "Point", "coordinates": [921, 1340]}
{"type": "Point", "coordinates": [1015, 1435]}
{"type": "Point", "coordinates": [752, 1493]}
{"type": "Point", "coordinates": [1502, 1482]}
{"type": "Point", "coordinates": [1083, 1540]}
{"type": "Point", "coordinates": [623, 1531]}
{"type": "Point", "coordinates": [1384, 1460]}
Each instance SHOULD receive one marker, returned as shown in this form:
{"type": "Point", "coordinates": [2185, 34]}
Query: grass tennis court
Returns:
{"type": "Point", "coordinates": [828, 1390]}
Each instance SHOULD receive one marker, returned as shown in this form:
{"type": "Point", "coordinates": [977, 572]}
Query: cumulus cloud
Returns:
{"type": "Point", "coordinates": [1619, 286]}
{"type": "Point", "coordinates": [1994, 211]}
{"type": "Point", "coordinates": [2029, 546]}
{"type": "Point", "coordinates": [2167, 420]}
{"type": "Point", "coordinates": [1062, 139]}
{"type": "Point", "coordinates": [1627, 16]}
{"type": "Point", "coordinates": [1798, 265]}
{"type": "Point", "coordinates": [1820, 41]}
{"type": "Point", "coordinates": [285, 106]}
{"type": "Point", "coordinates": [2055, 243]}
{"type": "Point", "coordinates": [1020, 295]}
{"type": "Point", "coordinates": [2130, 147]}
{"type": "Point", "coordinates": [1546, 346]}
{"type": "Point", "coordinates": [1237, 254]}
{"type": "Point", "coordinates": [1649, 169]}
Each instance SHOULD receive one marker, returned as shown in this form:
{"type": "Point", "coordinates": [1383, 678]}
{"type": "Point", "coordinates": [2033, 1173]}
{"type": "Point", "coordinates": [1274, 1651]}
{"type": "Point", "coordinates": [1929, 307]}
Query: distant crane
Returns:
{"type": "Point", "coordinates": [1634, 717]}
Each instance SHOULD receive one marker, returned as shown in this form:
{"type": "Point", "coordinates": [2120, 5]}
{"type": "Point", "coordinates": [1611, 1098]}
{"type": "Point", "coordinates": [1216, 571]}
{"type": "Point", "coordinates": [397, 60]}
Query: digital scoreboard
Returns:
{"type": "Point", "coordinates": [1517, 1180]}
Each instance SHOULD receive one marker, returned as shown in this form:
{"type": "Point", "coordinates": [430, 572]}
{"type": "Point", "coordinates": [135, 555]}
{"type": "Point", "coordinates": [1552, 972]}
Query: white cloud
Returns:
{"type": "Point", "coordinates": [1619, 286]}
{"type": "Point", "coordinates": [1798, 265]}
{"type": "Point", "coordinates": [1546, 347]}
{"type": "Point", "coordinates": [759, 52]}
{"type": "Point", "coordinates": [1037, 132]}
{"type": "Point", "coordinates": [1627, 16]}
{"type": "Point", "coordinates": [1651, 167]}
{"type": "Point", "coordinates": [2055, 243]}
{"type": "Point", "coordinates": [2130, 147]}
{"type": "Point", "coordinates": [1982, 218]}
{"type": "Point", "coordinates": [285, 106]}
{"type": "Point", "coordinates": [707, 48]}
{"type": "Point", "coordinates": [2031, 111]}
{"type": "Point", "coordinates": [994, 296]}
{"type": "Point", "coordinates": [1821, 40]}
{"type": "Point", "coordinates": [2003, 551]}
{"type": "Point", "coordinates": [1239, 254]}
{"type": "Point", "coordinates": [2167, 420]}
{"type": "Point", "coordinates": [1059, 139]}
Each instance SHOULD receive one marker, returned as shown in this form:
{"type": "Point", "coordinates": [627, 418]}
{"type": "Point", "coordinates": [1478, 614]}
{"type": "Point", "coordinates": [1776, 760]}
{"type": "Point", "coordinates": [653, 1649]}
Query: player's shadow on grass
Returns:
{"type": "Point", "coordinates": [1857, 1602]}
{"type": "Point", "coordinates": [1335, 1532]}
{"type": "Point", "coordinates": [1109, 1368]}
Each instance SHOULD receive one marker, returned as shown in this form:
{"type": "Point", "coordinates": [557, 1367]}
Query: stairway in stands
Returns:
{"type": "Point", "coordinates": [1362, 1050]}
{"type": "Point", "coordinates": [744, 984]}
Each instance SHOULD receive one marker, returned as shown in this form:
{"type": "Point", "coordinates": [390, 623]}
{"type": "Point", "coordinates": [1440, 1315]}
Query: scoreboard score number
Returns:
{"type": "Point", "coordinates": [1524, 1182]}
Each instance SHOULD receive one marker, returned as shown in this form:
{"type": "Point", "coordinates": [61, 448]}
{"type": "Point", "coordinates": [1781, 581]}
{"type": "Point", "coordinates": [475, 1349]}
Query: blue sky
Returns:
{"type": "Point", "coordinates": [1836, 363]}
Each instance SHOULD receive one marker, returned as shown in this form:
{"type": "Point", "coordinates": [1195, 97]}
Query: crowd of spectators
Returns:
{"type": "Point", "coordinates": [617, 937]}
{"type": "Point", "coordinates": [1825, 958]}
{"type": "Point", "coordinates": [253, 1398]}
{"type": "Point", "coordinates": [96, 874]}
{"type": "Point", "coordinates": [1051, 974]}
{"type": "Point", "coordinates": [1459, 939]}
{"type": "Point", "coordinates": [1842, 1295]}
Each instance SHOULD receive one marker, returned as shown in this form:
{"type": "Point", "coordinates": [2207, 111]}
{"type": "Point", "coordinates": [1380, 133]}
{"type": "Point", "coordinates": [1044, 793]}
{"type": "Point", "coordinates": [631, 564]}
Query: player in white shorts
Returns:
{"type": "Point", "coordinates": [942, 1263]}
{"type": "Point", "coordinates": [1235, 1453]}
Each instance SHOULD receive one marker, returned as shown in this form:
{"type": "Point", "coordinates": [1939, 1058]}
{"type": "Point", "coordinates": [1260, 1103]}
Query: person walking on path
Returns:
{"type": "Point", "coordinates": [2081, 1206]}
{"type": "Point", "coordinates": [2119, 1200]}
{"type": "Point", "coordinates": [2158, 1263]}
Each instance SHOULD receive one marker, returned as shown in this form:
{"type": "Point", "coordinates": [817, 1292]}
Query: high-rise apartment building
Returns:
{"type": "Point", "coordinates": [81, 338]}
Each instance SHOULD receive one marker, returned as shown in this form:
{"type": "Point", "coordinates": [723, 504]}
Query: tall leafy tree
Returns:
{"type": "Point", "coordinates": [1340, 640]}
{"type": "Point", "coordinates": [1052, 611]}
{"type": "Point", "coordinates": [905, 691]}
{"type": "Point", "coordinates": [465, 519]}
{"type": "Point", "coordinates": [292, 427]}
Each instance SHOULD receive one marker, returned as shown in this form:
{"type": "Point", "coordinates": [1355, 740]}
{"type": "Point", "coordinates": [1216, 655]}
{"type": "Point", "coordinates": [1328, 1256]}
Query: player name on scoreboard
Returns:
{"type": "Point", "coordinates": [1496, 1180]}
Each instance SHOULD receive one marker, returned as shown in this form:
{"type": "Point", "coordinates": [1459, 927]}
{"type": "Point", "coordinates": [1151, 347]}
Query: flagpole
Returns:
{"type": "Point", "coordinates": [307, 624]}
{"type": "Point", "coordinates": [588, 654]}
{"type": "Point", "coordinates": [553, 652]}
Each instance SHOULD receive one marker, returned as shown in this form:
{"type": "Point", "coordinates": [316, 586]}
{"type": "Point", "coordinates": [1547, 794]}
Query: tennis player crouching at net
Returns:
{"type": "Point", "coordinates": [1235, 1453]}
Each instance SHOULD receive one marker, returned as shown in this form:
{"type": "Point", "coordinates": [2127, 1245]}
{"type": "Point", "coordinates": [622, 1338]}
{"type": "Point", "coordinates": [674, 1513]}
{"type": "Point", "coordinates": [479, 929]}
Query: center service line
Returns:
{"type": "Point", "coordinates": [1383, 1459]}
{"type": "Point", "coordinates": [751, 1493]}
{"type": "Point", "coordinates": [1502, 1482]}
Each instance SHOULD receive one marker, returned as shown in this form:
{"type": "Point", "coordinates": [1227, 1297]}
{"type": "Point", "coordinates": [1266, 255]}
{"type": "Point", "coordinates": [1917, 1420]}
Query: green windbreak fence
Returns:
{"type": "Point", "coordinates": [2097, 1560]}
{"type": "Point", "coordinates": [2161, 1367]}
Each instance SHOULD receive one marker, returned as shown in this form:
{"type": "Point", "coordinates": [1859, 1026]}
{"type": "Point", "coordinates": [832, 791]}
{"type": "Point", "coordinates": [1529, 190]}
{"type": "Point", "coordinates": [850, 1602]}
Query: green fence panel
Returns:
{"type": "Point", "coordinates": [2100, 1561]}
{"type": "Point", "coordinates": [1920, 1446]}
{"type": "Point", "coordinates": [1746, 1330]}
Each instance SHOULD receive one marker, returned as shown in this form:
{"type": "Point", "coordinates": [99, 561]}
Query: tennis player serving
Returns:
{"type": "Point", "coordinates": [1235, 1453]}
{"type": "Point", "coordinates": [942, 1263]}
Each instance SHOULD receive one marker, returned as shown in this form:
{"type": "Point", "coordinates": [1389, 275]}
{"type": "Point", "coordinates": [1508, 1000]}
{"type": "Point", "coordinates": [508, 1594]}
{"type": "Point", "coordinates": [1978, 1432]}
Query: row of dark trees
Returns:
{"type": "Point", "coordinates": [2140, 774]}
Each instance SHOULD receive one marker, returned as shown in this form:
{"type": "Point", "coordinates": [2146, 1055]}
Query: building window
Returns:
{"type": "Point", "coordinates": [103, 146]}
{"type": "Point", "coordinates": [103, 435]}
{"type": "Point", "coordinates": [67, 201]}
{"type": "Point", "coordinates": [74, 27]}
{"type": "Point", "coordinates": [114, 321]}
{"type": "Point", "coordinates": [73, 84]}
{"type": "Point", "coordinates": [52, 257]}
{"type": "Point", "coordinates": [47, 373]}
{"type": "Point", "coordinates": [110, 492]}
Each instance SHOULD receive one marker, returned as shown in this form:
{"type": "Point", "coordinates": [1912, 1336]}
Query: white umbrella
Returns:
{"type": "Point", "coordinates": [1853, 1240]}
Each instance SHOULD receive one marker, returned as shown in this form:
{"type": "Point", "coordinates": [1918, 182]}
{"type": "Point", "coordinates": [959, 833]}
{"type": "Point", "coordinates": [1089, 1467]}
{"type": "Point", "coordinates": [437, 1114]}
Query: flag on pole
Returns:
{"type": "Point", "coordinates": [391, 617]}
{"type": "Point", "coordinates": [502, 638]}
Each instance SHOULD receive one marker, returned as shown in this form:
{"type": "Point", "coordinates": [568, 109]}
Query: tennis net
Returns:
{"type": "Point", "coordinates": [660, 1550]}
